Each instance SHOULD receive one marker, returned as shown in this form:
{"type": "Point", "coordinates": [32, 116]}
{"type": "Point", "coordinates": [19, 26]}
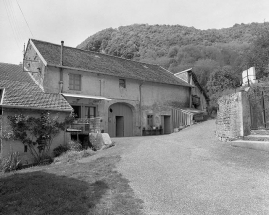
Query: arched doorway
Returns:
{"type": "Point", "coordinates": [120, 120]}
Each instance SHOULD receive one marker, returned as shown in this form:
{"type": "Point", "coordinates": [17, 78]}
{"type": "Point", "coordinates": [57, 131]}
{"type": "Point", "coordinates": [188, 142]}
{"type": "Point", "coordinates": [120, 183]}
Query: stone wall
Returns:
{"type": "Point", "coordinates": [233, 118]}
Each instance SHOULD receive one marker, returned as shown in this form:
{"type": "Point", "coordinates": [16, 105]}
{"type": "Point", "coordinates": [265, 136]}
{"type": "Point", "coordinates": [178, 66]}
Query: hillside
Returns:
{"type": "Point", "coordinates": [178, 47]}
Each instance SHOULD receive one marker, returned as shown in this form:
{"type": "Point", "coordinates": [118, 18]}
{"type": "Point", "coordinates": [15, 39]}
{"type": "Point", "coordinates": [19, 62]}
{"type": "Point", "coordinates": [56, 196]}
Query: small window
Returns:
{"type": "Point", "coordinates": [150, 120]}
{"type": "Point", "coordinates": [74, 82]}
{"type": "Point", "coordinates": [122, 83]}
{"type": "Point", "coordinates": [25, 148]}
{"type": "Point", "coordinates": [77, 111]}
{"type": "Point", "coordinates": [1, 111]}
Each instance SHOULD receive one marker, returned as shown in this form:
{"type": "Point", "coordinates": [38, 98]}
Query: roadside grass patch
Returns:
{"type": "Point", "coordinates": [68, 188]}
{"type": "Point", "coordinates": [72, 156]}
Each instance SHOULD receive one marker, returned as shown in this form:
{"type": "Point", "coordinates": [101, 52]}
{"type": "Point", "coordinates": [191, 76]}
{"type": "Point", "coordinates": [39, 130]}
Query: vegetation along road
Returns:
{"type": "Point", "coordinates": [190, 172]}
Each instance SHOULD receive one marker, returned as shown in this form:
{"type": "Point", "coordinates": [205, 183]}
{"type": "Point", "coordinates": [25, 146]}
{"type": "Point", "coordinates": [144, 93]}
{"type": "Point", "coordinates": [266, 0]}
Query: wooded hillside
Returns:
{"type": "Point", "coordinates": [178, 47]}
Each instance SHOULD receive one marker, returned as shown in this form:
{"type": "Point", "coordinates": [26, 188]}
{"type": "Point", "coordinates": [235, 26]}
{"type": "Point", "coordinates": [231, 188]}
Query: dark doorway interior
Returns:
{"type": "Point", "coordinates": [167, 125]}
{"type": "Point", "coordinates": [119, 126]}
{"type": "Point", "coordinates": [77, 111]}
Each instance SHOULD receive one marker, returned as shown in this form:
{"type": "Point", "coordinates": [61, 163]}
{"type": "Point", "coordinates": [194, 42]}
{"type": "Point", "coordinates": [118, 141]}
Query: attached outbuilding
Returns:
{"type": "Point", "coordinates": [20, 94]}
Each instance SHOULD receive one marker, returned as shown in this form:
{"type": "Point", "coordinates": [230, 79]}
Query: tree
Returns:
{"type": "Point", "coordinates": [258, 55]}
{"type": "Point", "coordinates": [220, 80]}
{"type": "Point", "coordinates": [36, 133]}
{"type": "Point", "coordinates": [203, 68]}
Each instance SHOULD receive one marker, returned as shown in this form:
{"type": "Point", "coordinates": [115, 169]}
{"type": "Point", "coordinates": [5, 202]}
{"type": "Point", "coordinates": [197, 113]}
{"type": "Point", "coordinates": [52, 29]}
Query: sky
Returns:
{"type": "Point", "coordinates": [75, 20]}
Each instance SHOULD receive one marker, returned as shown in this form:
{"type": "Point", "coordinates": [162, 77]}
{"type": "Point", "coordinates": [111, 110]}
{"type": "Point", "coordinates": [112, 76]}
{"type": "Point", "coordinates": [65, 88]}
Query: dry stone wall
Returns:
{"type": "Point", "coordinates": [229, 118]}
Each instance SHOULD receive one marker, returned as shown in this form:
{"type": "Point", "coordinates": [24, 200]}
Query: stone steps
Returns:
{"type": "Point", "coordinates": [259, 132]}
{"type": "Point", "coordinates": [258, 139]}
{"type": "Point", "coordinates": [251, 144]}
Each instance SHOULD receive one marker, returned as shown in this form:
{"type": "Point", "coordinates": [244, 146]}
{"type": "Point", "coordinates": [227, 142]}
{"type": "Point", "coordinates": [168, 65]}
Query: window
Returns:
{"type": "Point", "coordinates": [150, 120]}
{"type": "Point", "coordinates": [122, 83]}
{"type": "Point", "coordinates": [1, 92]}
{"type": "Point", "coordinates": [74, 82]}
{"type": "Point", "coordinates": [77, 111]}
{"type": "Point", "coordinates": [90, 112]}
{"type": "Point", "coordinates": [25, 148]}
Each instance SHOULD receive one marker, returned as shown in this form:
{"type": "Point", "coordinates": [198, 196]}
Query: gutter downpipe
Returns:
{"type": "Point", "coordinates": [140, 106]}
{"type": "Point", "coordinates": [61, 69]}
{"type": "Point", "coordinates": [61, 80]}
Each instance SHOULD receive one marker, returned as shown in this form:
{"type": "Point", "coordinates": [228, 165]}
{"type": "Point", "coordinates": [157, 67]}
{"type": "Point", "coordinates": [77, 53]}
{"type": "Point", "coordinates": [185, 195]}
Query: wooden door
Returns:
{"type": "Point", "coordinates": [167, 125]}
{"type": "Point", "coordinates": [119, 126]}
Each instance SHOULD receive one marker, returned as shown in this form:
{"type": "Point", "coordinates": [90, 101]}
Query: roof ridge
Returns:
{"type": "Point", "coordinates": [87, 51]}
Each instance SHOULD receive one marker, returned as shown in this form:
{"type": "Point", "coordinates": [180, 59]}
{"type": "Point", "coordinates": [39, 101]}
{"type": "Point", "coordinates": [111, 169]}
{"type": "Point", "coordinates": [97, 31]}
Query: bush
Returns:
{"type": "Point", "coordinates": [72, 156]}
{"type": "Point", "coordinates": [60, 150]}
{"type": "Point", "coordinates": [74, 146]}
{"type": "Point", "coordinates": [11, 163]}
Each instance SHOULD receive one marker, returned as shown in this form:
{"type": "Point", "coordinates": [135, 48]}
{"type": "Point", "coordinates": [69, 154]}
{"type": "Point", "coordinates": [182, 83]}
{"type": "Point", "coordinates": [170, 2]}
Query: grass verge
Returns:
{"type": "Point", "coordinates": [69, 188]}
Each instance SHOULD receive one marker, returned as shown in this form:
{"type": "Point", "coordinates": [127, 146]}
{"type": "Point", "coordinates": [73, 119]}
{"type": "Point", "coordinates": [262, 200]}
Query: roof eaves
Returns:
{"type": "Point", "coordinates": [187, 70]}
{"type": "Point", "coordinates": [103, 73]}
{"type": "Point", "coordinates": [187, 84]}
{"type": "Point", "coordinates": [37, 51]}
{"type": "Point", "coordinates": [35, 108]}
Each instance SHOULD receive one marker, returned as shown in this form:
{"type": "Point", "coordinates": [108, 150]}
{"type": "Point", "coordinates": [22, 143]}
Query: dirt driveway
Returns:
{"type": "Point", "coordinates": [190, 172]}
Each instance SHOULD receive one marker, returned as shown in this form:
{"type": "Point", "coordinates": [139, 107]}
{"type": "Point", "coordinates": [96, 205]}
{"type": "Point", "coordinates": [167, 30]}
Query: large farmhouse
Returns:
{"type": "Point", "coordinates": [130, 97]}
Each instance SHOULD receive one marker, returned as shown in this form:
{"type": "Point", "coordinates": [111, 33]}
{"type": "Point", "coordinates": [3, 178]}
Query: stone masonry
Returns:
{"type": "Point", "coordinates": [233, 119]}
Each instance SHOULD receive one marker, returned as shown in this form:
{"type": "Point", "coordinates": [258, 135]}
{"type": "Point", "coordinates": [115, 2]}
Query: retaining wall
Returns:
{"type": "Point", "coordinates": [233, 118]}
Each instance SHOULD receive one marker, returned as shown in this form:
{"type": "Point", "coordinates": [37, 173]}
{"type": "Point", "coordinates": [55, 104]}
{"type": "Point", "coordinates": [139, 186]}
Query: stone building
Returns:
{"type": "Point", "coordinates": [128, 96]}
{"type": "Point", "coordinates": [19, 94]}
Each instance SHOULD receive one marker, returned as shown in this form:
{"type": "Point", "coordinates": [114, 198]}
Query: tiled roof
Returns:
{"type": "Point", "coordinates": [105, 64]}
{"type": "Point", "coordinates": [21, 91]}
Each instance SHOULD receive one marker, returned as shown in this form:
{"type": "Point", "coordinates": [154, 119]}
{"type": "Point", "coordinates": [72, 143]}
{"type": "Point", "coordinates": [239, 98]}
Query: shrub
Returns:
{"type": "Point", "coordinates": [60, 150]}
{"type": "Point", "coordinates": [73, 156]}
{"type": "Point", "coordinates": [36, 133]}
{"type": "Point", "coordinates": [11, 163]}
{"type": "Point", "coordinates": [74, 146]}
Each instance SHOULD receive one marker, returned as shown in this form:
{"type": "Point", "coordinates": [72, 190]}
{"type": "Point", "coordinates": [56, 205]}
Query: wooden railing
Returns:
{"type": "Point", "coordinates": [181, 118]}
{"type": "Point", "coordinates": [87, 125]}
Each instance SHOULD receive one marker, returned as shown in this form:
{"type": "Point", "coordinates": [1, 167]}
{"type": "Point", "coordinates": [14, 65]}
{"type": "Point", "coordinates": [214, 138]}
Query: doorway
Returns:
{"type": "Point", "coordinates": [119, 126]}
{"type": "Point", "coordinates": [166, 125]}
{"type": "Point", "coordinates": [120, 120]}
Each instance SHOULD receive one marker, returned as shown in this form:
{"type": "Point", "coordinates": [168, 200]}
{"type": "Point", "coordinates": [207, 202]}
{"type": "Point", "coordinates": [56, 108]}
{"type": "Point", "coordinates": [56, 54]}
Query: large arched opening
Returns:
{"type": "Point", "coordinates": [120, 120]}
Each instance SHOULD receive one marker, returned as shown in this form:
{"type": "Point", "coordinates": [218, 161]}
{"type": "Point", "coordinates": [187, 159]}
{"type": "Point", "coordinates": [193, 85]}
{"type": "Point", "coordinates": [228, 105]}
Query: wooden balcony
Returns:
{"type": "Point", "coordinates": [86, 125]}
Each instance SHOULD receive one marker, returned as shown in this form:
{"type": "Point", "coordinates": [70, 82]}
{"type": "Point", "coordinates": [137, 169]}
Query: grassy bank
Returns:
{"type": "Point", "coordinates": [88, 188]}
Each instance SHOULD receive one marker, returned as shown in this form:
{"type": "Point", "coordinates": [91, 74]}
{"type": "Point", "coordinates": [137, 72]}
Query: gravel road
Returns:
{"type": "Point", "coordinates": [191, 172]}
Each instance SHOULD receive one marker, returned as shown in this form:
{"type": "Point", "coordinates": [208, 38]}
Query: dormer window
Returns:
{"type": "Point", "coordinates": [122, 83]}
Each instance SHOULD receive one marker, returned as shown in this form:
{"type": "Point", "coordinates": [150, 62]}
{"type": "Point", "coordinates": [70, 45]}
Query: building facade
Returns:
{"type": "Point", "coordinates": [128, 96]}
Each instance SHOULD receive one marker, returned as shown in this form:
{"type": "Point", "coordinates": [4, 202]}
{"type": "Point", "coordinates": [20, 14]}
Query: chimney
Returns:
{"type": "Point", "coordinates": [62, 47]}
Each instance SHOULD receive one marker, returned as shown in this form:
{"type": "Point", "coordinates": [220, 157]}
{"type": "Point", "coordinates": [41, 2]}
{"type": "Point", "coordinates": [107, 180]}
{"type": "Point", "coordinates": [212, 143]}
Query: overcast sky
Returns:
{"type": "Point", "coordinates": [75, 20]}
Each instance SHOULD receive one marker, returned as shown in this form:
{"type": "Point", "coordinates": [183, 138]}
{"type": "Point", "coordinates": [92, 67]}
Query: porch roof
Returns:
{"type": "Point", "coordinates": [85, 96]}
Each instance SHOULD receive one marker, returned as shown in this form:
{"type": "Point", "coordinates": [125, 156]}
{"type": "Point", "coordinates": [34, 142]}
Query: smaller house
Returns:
{"type": "Point", "coordinates": [19, 94]}
{"type": "Point", "coordinates": [199, 100]}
